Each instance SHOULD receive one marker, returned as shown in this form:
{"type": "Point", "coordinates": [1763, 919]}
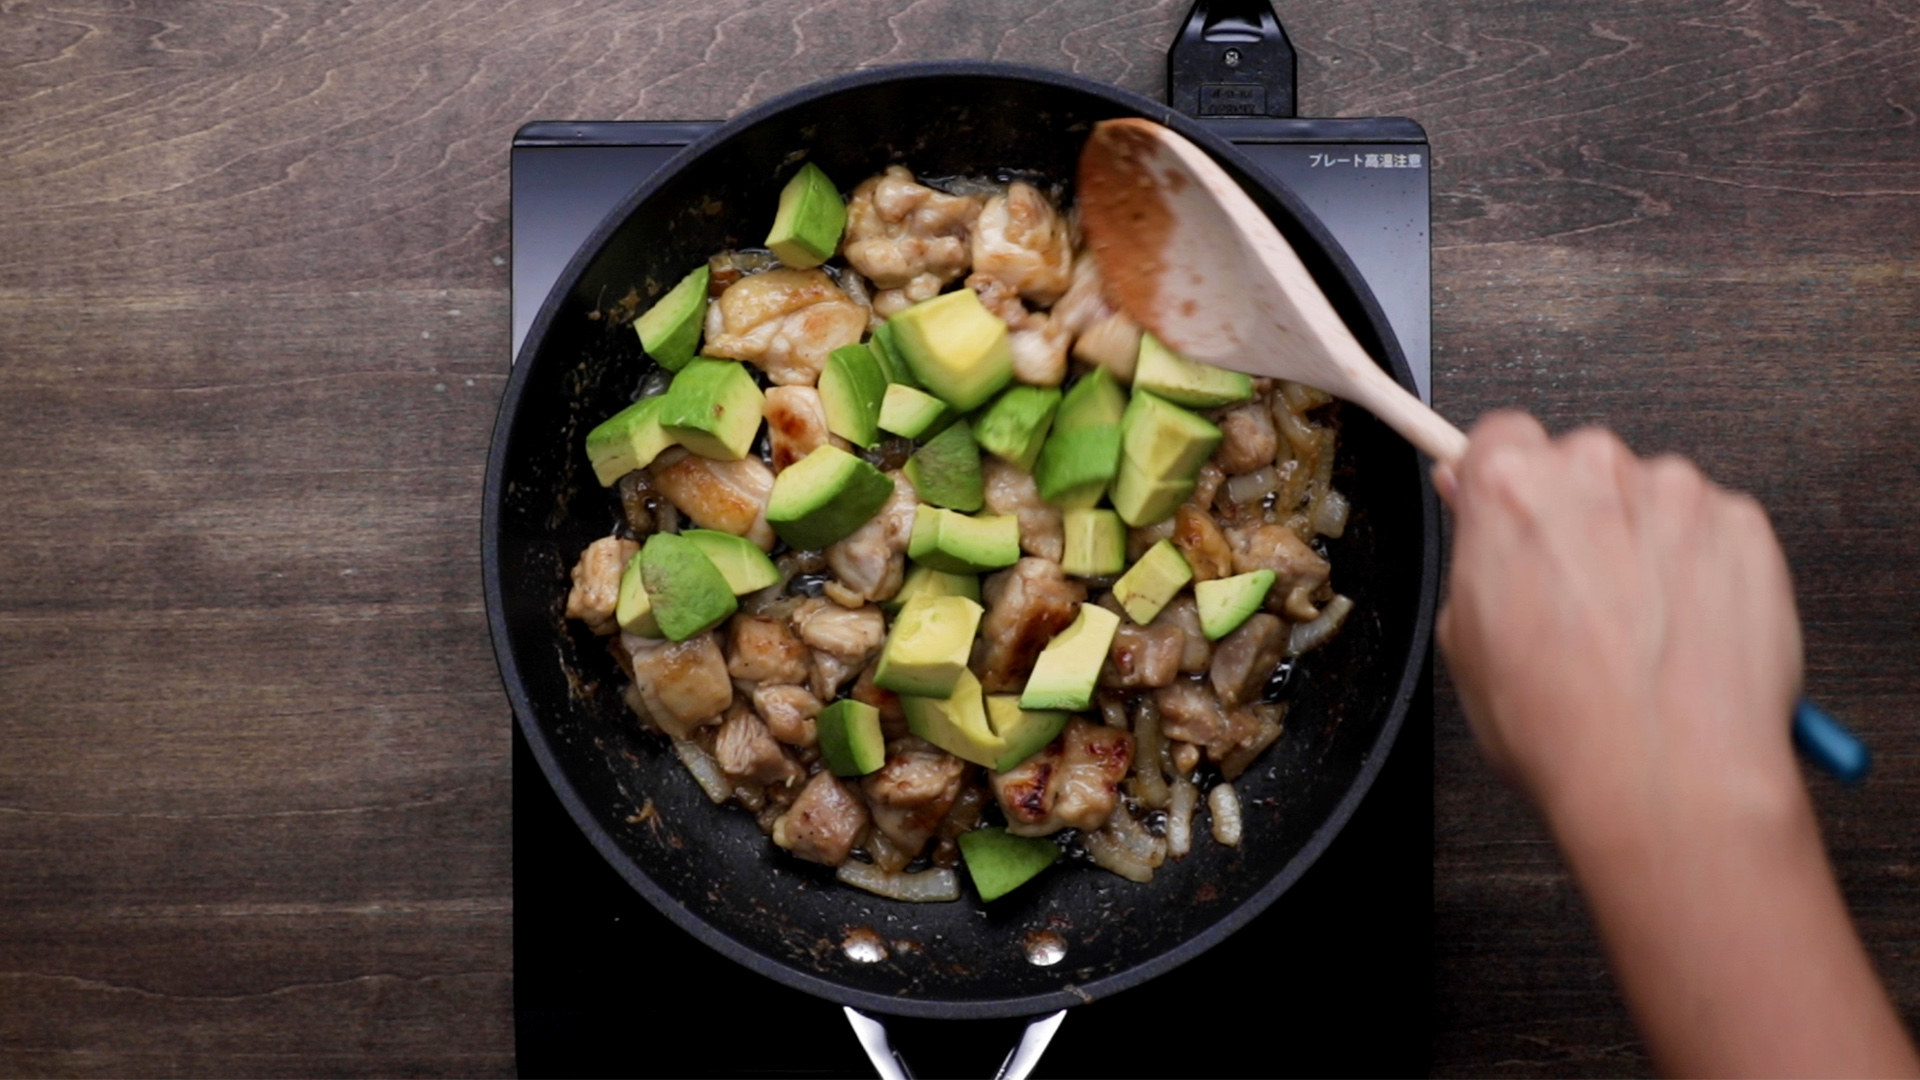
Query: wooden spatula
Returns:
{"type": "Point", "coordinates": [1190, 257]}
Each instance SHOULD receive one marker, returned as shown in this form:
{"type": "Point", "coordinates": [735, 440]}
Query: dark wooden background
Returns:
{"type": "Point", "coordinates": [254, 326]}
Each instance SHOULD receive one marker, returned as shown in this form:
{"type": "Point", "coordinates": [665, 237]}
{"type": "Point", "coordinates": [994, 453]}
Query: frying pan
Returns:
{"type": "Point", "coordinates": [708, 868]}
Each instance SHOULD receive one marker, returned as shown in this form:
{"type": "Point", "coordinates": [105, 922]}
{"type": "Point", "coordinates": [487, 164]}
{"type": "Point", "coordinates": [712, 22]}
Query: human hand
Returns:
{"type": "Point", "coordinates": [1621, 630]}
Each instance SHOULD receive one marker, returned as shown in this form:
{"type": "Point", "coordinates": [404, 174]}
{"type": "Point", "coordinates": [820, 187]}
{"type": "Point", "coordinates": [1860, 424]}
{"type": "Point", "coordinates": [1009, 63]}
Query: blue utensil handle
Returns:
{"type": "Point", "coordinates": [1828, 744]}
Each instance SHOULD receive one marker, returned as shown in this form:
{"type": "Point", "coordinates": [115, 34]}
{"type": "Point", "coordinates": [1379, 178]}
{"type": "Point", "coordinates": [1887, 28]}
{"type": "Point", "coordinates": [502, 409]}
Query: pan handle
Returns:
{"type": "Point", "coordinates": [889, 1065]}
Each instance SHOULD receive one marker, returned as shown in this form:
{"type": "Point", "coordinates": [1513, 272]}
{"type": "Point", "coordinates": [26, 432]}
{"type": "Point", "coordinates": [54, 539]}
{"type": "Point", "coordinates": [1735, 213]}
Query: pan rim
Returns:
{"type": "Point", "coordinates": [934, 1006]}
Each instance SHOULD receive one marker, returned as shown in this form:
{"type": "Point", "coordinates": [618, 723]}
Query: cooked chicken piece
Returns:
{"type": "Point", "coordinates": [1023, 241]}
{"type": "Point", "coordinates": [747, 751]}
{"type": "Point", "coordinates": [1247, 438]}
{"type": "Point", "coordinates": [785, 322]}
{"type": "Point", "coordinates": [1182, 612]}
{"type": "Point", "coordinates": [1074, 783]}
{"type": "Point", "coordinates": [1298, 568]}
{"type": "Point", "coordinates": [1011, 490]}
{"type": "Point", "coordinates": [1206, 485]}
{"type": "Point", "coordinates": [1037, 342]}
{"type": "Point", "coordinates": [762, 649]}
{"type": "Point", "coordinates": [1100, 334]}
{"type": "Point", "coordinates": [871, 562]}
{"type": "Point", "coordinates": [683, 685]}
{"type": "Point", "coordinates": [1084, 302]}
{"type": "Point", "coordinates": [842, 639]}
{"type": "Point", "coordinates": [1262, 723]}
{"type": "Point", "coordinates": [1028, 604]}
{"type": "Point", "coordinates": [912, 792]}
{"type": "Point", "coordinates": [788, 712]}
{"type": "Point", "coordinates": [1200, 542]}
{"type": "Point", "coordinates": [1190, 713]}
{"type": "Point", "coordinates": [1144, 656]}
{"type": "Point", "coordinates": [907, 238]}
{"type": "Point", "coordinates": [728, 496]}
{"type": "Point", "coordinates": [893, 719]}
{"type": "Point", "coordinates": [1244, 660]}
{"type": "Point", "coordinates": [823, 822]}
{"type": "Point", "coordinates": [796, 424]}
{"type": "Point", "coordinates": [596, 583]}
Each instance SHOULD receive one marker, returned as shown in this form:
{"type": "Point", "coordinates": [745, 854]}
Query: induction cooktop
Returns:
{"type": "Point", "coordinates": [1333, 979]}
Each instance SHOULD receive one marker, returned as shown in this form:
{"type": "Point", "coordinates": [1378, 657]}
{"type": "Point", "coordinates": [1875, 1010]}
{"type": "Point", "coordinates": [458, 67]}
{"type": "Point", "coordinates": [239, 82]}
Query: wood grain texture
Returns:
{"type": "Point", "coordinates": [254, 320]}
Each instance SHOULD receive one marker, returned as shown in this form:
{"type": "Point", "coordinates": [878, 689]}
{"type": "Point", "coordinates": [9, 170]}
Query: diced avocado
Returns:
{"type": "Point", "coordinates": [926, 581]}
{"type": "Point", "coordinates": [1096, 543]}
{"type": "Point", "coordinates": [713, 408]}
{"type": "Point", "coordinates": [688, 593]}
{"type": "Point", "coordinates": [910, 412]}
{"type": "Point", "coordinates": [630, 439]}
{"type": "Point", "coordinates": [960, 544]}
{"type": "Point", "coordinates": [1162, 371]}
{"type": "Point", "coordinates": [1082, 452]}
{"type": "Point", "coordinates": [825, 496]}
{"type": "Point", "coordinates": [1023, 730]}
{"type": "Point", "coordinates": [852, 385]}
{"type": "Point", "coordinates": [956, 723]}
{"type": "Point", "coordinates": [1153, 582]}
{"type": "Point", "coordinates": [739, 560]}
{"type": "Point", "coordinates": [850, 739]}
{"type": "Point", "coordinates": [946, 471]}
{"type": "Point", "coordinates": [1000, 862]}
{"type": "Point", "coordinates": [885, 351]}
{"type": "Point", "coordinates": [955, 347]}
{"type": "Point", "coordinates": [1166, 441]}
{"type": "Point", "coordinates": [1140, 500]}
{"type": "Point", "coordinates": [1015, 426]}
{"type": "Point", "coordinates": [806, 228]}
{"type": "Point", "coordinates": [634, 610]}
{"type": "Point", "coordinates": [670, 329]}
{"type": "Point", "coordinates": [1064, 675]}
{"type": "Point", "coordinates": [1225, 603]}
{"type": "Point", "coordinates": [927, 648]}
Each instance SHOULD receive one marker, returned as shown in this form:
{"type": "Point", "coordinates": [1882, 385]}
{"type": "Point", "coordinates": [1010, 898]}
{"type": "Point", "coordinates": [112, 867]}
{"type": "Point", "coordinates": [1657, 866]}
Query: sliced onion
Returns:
{"type": "Point", "coordinates": [1308, 636]}
{"type": "Point", "coordinates": [1148, 785]}
{"type": "Point", "coordinates": [1180, 806]}
{"type": "Point", "coordinates": [706, 771]}
{"type": "Point", "coordinates": [1251, 489]}
{"type": "Point", "coordinates": [927, 886]}
{"type": "Point", "coordinates": [1223, 803]}
{"type": "Point", "coordinates": [1111, 854]}
{"type": "Point", "coordinates": [1330, 516]}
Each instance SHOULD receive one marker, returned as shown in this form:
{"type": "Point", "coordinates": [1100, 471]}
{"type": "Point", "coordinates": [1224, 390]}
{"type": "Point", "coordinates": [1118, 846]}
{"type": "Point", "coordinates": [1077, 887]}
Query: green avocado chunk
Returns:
{"type": "Point", "coordinates": [1164, 440]}
{"type": "Point", "coordinates": [959, 544]}
{"type": "Point", "coordinates": [1082, 452]}
{"type": "Point", "coordinates": [1225, 603]}
{"type": "Point", "coordinates": [630, 439]}
{"type": "Point", "coordinates": [888, 353]}
{"type": "Point", "coordinates": [1162, 371]}
{"type": "Point", "coordinates": [1000, 862]}
{"type": "Point", "coordinates": [670, 329]}
{"type": "Point", "coordinates": [910, 412]}
{"type": "Point", "coordinates": [1023, 730]}
{"type": "Point", "coordinates": [713, 408]}
{"type": "Point", "coordinates": [850, 740]}
{"type": "Point", "coordinates": [824, 497]}
{"type": "Point", "coordinates": [1015, 426]}
{"type": "Point", "coordinates": [955, 347]}
{"type": "Point", "coordinates": [927, 649]}
{"type": "Point", "coordinates": [926, 581]}
{"type": "Point", "coordinates": [1141, 500]}
{"type": "Point", "coordinates": [1153, 582]}
{"type": "Point", "coordinates": [739, 560]}
{"type": "Point", "coordinates": [806, 227]}
{"type": "Point", "coordinates": [633, 610]}
{"type": "Point", "coordinates": [1064, 675]}
{"type": "Point", "coordinates": [1096, 543]}
{"type": "Point", "coordinates": [956, 723]}
{"type": "Point", "coordinates": [688, 593]}
{"type": "Point", "coordinates": [852, 386]}
{"type": "Point", "coordinates": [946, 471]}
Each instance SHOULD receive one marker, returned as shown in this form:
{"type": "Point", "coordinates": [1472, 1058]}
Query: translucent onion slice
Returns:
{"type": "Point", "coordinates": [706, 771]}
{"type": "Point", "coordinates": [1308, 636]}
{"type": "Point", "coordinates": [927, 886]}
{"type": "Point", "coordinates": [1224, 804]}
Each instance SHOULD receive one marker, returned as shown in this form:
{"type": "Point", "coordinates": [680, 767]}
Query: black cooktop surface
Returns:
{"type": "Point", "coordinates": [1333, 979]}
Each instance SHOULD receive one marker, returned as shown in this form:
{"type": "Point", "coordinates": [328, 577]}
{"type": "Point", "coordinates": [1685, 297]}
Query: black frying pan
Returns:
{"type": "Point", "coordinates": [708, 868]}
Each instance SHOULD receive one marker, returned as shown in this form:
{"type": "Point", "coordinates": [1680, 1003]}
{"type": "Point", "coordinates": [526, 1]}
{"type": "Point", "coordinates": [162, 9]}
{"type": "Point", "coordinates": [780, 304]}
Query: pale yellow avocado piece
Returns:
{"type": "Point", "coordinates": [1153, 582]}
{"type": "Point", "coordinates": [1064, 675]}
{"type": "Point", "coordinates": [1023, 730]}
{"type": "Point", "coordinates": [927, 649]}
{"type": "Point", "coordinates": [956, 723]}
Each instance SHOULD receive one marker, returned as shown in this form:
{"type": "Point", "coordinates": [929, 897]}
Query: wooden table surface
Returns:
{"type": "Point", "coordinates": [254, 327]}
